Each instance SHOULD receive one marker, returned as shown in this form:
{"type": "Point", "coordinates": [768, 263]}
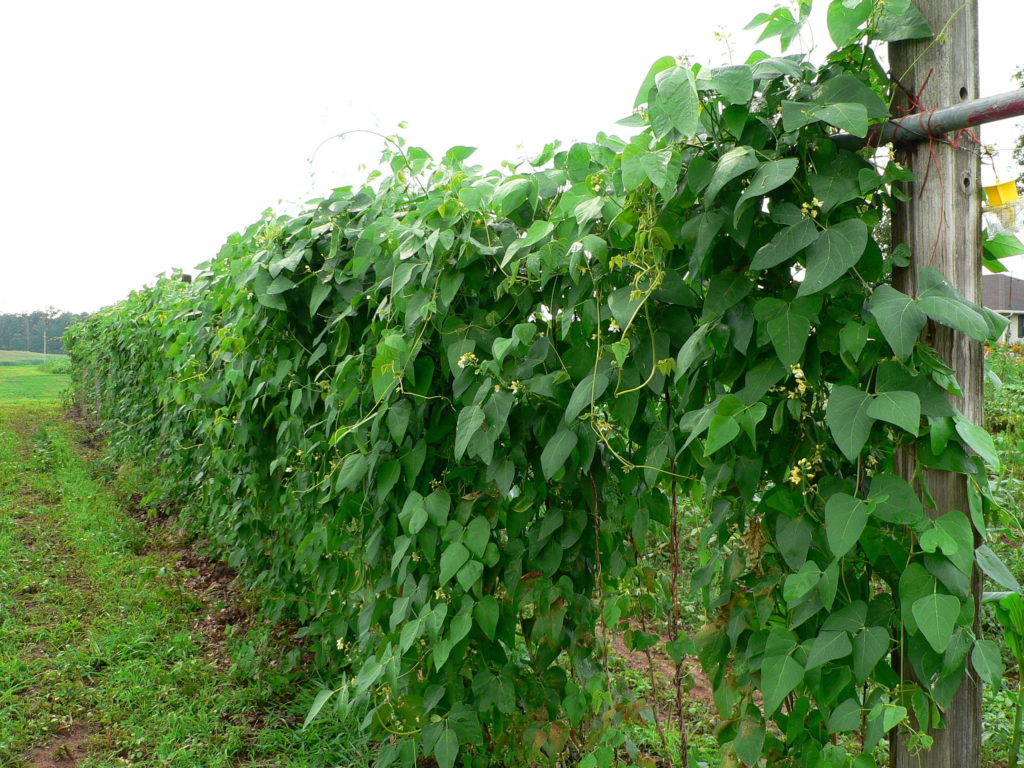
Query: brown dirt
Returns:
{"type": "Point", "coordinates": [213, 583]}
{"type": "Point", "coordinates": [665, 669]}
{"type": "Point", "coordinates": [65, 749]}
{"type": "Point", "coordinates": [217, 587]}
{"type": "Point", "coordinates": [89, 434]}
{"type": "Point", "coordinates": [696, 685]}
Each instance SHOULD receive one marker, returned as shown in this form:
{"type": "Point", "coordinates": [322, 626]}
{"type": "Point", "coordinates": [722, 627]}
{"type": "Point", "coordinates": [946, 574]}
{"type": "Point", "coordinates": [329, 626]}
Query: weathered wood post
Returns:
{"type": "Point", "coordinates": [942, 225]}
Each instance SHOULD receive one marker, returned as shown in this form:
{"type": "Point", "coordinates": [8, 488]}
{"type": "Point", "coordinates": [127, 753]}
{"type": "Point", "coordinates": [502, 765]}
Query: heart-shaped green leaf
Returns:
{"type": "Point", "coordinates": [779, 676]}
{"type": "Point", "coordinates": [845, 518]}
{"type": "Point", "coordinates": [848, 419]}
{"type": "Point", "coordinates": [832, 254]}
{"type": "Point", "coordinates": [936, 616]}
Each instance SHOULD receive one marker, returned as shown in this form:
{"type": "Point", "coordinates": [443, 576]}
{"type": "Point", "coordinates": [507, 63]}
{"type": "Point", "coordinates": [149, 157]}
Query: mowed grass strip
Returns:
{"type": "Point", "coordinates": [99, 645]}
{"type": "Point", "coordinates": [30, 384]}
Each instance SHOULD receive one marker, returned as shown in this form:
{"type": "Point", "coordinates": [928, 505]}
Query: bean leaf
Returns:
{"type": "Point", "coordinates": [936, 616]}
{"type": "Point", "coordinates": [786, 244]}
{"type": "Point", "coordinates": [557, 451]}
{"type": "Point", "coordinates": [446, 749]}
{"type": "Point", "coordinates": [846, 717]}
{"type": "Point", "coordinates": [677, 96]}
{"type": "Point", "coordinates": [900, 408]}
{"type": "Point", "coordinates": [844, 21]}
{"type": "Point", "coordinates": [898, 317]}
{"type": "Point", "coordinates": [987, 661]}
{"type": "Point", "coordinates": [995, 569]}
{"type": "Point", "coordinates": [828, 646]}
{"type": "Point", "coordinates": [769, 176]}
{"type": "Point", "coordinates": [869, 646]}
{"type": "Point", "coordinates": [733, 163]}
{"type": "Point", "coordinates": [848, 419]}
{"type": "Point", "coordinates": [471, 418]}
{"type": "Point", "coordinates": [452, 559]}
{"type": "Point", "coordinates": [735, 83]}
{"type": "Point", "coordinates": [486, 614]}
{"type": "Point", "coordinates": [832, 254]}
{"type": "Point", "coordinates": [845, 518]}
{"type": "Point", "coordinates": [779, 676]}
{"type": "Point", "coordinates": [852, 118]}
{"type": "Point", "coordinates": [980, 440]}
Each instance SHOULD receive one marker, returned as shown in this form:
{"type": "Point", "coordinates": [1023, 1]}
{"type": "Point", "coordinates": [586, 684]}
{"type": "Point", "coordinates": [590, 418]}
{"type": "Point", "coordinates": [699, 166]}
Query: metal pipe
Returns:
{"type": "Point", "coordinates": [924, 125]}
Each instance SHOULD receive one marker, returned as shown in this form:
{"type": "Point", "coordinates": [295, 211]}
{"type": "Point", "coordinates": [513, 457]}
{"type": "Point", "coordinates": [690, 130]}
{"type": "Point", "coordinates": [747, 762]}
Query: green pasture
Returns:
{"type": "Point", "coordinates": [17, 357]}
{"type": "Point", "coordinates": [30, 383]}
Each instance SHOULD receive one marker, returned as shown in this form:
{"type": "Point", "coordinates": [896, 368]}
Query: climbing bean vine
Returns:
{"type": "Point", "coordinates": [435, 417]}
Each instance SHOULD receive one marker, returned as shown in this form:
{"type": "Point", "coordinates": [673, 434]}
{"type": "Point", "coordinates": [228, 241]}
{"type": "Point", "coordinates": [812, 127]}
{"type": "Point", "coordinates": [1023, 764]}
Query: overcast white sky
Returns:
{"type": "Point", "coordinates": [136, 136]}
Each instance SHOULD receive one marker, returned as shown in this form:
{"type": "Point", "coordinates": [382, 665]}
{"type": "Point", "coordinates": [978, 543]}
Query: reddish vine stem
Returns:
{"type": "Point", "coordinates": [599, 575]}
{"type": "Point", "coordinates": [654, 686]}
{"type": "Point", "coordinates": [674, 589]}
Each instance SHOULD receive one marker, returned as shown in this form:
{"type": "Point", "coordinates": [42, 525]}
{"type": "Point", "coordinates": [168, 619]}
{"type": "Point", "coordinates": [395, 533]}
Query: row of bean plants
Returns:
{"type": "Point", "coordinates": [435, 418]}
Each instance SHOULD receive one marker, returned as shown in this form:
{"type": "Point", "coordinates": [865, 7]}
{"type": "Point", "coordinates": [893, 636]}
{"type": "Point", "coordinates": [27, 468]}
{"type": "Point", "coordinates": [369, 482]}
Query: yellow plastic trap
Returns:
{"type": "Point", "coordinates": [1000, 194]}
{"type": "Point", "coordinates": [1004, 214]}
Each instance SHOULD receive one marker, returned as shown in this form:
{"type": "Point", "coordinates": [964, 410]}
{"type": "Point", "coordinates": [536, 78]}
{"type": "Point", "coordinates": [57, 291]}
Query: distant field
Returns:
{"type": "Point", "coordinates": [30, 383]}
{"type": "Point", "coordinates": [14, 357]}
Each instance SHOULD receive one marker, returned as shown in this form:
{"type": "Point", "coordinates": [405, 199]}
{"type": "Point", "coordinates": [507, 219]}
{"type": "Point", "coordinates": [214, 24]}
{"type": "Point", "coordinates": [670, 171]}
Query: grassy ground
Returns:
{"type": "Point", "coordinates": [30, 383]}
{"type": "Point", "coordinates": [105, 657]}
{"type": "Point", "coordinates": [16, 357]}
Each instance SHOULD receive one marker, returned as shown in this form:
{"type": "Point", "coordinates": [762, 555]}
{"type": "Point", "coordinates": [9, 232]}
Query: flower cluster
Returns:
{"type": "Point", "coordinates": [807, 469]}
{"type": "Point", "coordinates": [801, 381]}
{"type": "Point", "coordinates": [802, 471]}
{"type": "Point", "coordinates": [812, 208]}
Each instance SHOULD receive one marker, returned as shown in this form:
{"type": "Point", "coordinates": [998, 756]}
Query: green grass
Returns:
{"type": "Point", "coordinates": [16, 357]}
{"type": "Point", "coordinates": [99, 636]}
{"type": "Point", "coordinates": [30, 383]}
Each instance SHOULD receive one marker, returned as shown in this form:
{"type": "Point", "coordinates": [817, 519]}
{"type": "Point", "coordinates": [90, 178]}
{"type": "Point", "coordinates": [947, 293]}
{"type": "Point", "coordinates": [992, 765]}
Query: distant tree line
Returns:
{"type": "Point", "coordinates": [29, 331]}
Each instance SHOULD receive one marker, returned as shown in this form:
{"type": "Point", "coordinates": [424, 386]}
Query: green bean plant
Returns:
{"type": "Point", "coordinates": [436, 417]}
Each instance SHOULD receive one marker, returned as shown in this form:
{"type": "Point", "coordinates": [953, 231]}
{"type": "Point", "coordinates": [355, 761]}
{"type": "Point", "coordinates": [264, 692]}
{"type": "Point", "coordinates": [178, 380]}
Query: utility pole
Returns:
{"type": "Point", "coordinates": [941, 222]}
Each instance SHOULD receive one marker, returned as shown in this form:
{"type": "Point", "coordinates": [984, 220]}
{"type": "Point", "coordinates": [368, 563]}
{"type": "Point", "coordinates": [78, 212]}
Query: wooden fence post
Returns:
{"type": "Point", "coordinates": [942, 225]}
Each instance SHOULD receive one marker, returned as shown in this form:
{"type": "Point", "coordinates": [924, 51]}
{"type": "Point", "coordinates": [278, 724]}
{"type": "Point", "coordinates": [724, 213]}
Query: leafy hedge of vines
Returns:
{"type": "Point", "coordinates": [436, 417]}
